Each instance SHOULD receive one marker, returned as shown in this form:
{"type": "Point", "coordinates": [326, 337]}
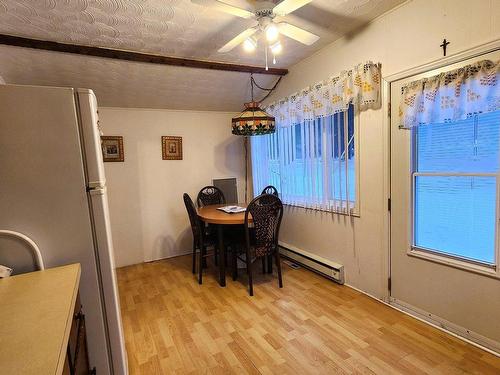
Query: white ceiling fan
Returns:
{"type": "Point", "coordinates": [267, 15]}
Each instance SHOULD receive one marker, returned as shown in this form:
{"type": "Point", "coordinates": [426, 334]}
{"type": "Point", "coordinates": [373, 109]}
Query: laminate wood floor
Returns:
{"type": "Point", "coordinates": [311, 326]}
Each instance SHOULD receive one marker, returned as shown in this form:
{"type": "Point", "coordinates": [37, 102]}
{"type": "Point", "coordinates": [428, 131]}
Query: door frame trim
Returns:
{"type": "Point", "coordinates": [386, 146]}
{"type": "Point", "coordinates": [448, 60]}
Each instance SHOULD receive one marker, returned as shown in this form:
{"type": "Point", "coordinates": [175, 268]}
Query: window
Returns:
{"type": "Point", "coordinates": [455, 171]}
{"type": "Point", "coordinates": [312, 164]}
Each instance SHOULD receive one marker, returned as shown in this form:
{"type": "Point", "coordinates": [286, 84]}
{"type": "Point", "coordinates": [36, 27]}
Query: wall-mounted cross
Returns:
{"type": "Point", "coordinates": [444, 45]}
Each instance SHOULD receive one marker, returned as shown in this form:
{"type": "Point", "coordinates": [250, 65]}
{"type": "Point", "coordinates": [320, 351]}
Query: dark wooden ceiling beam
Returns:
{"type": "Point", "coordinates": [134, 56]}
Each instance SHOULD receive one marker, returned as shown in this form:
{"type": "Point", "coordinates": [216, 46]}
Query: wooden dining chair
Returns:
{"type": "Point", "coordinates": [210, 195]}
{"type": "Point", "coordinates": [202, 239]}
{"type": "Point", "coordinates": [207, 196]}
{"type": "Point", "coordinates": [262, 239]}
{"type": "Point", "coordinates": [270, 189]}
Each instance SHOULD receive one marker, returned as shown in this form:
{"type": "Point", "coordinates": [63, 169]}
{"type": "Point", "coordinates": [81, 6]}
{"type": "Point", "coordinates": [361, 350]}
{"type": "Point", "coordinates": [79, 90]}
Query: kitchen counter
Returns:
{"type": "Point", "coordinates": [36, 315]}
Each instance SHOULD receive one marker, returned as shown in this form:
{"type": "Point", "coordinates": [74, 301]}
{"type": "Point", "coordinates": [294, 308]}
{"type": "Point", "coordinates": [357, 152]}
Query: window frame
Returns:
{"type": "Point", "coordinates": [355, 209]}
{"type": "Point", "coordinates": [490, 269]}
{"type": "Point", "coordinates": [354, 206]}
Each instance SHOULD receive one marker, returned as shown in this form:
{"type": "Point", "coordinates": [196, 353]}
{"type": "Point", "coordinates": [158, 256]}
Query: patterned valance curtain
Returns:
{"type": "Point", "coordinates": [359, 86]}
{"type": "Point", "coordinates": [451, 96]}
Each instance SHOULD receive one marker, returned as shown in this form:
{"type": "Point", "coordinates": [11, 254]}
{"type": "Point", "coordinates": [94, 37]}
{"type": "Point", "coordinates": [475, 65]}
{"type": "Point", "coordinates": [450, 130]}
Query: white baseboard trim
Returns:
{"type": "Point", "coordinates": [482, 342]}
{"type": "Point", "coordinates": [367, 294]}
{"type": "Point", "coordinates": [170, 256]}
{"type": "Point", "coordinates": [455, 330]}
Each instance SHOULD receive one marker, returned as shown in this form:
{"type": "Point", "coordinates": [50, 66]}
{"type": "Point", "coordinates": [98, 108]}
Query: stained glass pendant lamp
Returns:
{"type": "Point", "coordinates": [253, 120]}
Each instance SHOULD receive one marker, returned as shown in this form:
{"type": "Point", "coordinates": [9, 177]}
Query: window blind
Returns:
{"type": "Point", "coordinates": [312, 164]}
{"type": "Point", "coordinates": [455, 186]}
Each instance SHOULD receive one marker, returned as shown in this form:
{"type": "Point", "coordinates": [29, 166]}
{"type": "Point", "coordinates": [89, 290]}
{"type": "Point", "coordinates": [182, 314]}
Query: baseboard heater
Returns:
{"type": "Point", "coordinates": [330, 270]}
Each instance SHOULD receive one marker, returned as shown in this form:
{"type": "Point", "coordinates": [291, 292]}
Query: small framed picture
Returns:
{"type": "Point", "coordinates": [171, 148]}
{"type": "Point", "coordinates": [112, 148]}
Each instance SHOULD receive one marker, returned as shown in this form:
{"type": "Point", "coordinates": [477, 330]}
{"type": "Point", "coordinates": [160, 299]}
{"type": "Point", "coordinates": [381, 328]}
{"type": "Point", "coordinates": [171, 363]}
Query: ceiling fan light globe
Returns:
{"type": "Point", "coordinates": [249, 45]}
{"type": "Point", "coordinates": [272, 32]}
{"type": "Point", "coordinates": [276, 48]}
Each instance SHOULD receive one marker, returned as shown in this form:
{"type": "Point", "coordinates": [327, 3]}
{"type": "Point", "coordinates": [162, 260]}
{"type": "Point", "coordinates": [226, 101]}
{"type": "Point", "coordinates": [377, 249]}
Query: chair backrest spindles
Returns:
{"type": "Point", "coordinates": [270, 189]}
{"type": "Point", "coordinates": [267, 212]}
{"type": "Point", "coordinates": [210, 195]}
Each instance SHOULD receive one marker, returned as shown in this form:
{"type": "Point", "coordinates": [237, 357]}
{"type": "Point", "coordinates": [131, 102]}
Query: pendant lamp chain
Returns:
{"type": "Point", "coordinates": [254, 120]}
{"type": "Point", "coordinates": [251, 83]}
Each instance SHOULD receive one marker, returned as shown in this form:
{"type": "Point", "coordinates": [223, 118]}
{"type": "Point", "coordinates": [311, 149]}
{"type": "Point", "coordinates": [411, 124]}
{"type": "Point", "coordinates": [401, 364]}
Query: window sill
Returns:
{"type": "Point", "coordinates": [353, 213]}
{"type": "Point", "coordinates": [471, 266]}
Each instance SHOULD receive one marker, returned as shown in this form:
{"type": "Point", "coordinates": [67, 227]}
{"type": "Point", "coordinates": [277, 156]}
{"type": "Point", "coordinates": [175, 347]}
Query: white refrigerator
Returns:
{"type": "Point", "coordinates": [53, 189]}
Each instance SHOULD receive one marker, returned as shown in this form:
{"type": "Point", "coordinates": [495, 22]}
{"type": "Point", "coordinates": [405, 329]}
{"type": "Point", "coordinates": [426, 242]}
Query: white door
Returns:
{"type": "Point", "coordinates": [444, 220]}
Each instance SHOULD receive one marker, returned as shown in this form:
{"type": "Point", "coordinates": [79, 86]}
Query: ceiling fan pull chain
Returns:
{"type": "Point", "coordinates": [267, 66]}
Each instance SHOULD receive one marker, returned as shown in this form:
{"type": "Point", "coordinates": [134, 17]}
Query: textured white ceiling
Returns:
{"type": "Point", "coordinates": [128, 84]}
{"type": "Point", "coordinates": [169, 27]}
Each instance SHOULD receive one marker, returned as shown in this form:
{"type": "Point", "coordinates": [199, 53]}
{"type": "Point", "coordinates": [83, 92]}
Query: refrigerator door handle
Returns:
{"type": "Point", "coordinates": [98, 190]}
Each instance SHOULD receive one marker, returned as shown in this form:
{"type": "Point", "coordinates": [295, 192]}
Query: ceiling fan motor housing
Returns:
{"type": "Point", "coordinates": [264, 13]}
{"type": "Point", "coordinates": [265, 21]}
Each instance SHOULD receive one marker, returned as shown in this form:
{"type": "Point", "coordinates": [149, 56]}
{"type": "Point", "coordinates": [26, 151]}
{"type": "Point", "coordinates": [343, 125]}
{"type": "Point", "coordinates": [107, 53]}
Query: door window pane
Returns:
{"type": "Point", "coordinates": [467, 146]}
{"type": "Point", "coordinates": [456, 215]}
{"type": "Point", "coordinates": [455, 187]}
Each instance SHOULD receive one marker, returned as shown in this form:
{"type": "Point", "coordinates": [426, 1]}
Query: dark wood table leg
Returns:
{"type": "Point", "coordinates": [222, 256]}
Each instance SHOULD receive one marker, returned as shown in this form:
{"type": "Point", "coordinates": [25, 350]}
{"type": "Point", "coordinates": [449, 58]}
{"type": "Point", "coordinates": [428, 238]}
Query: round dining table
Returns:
{"type": "Point", "coordinates": [211, 215]}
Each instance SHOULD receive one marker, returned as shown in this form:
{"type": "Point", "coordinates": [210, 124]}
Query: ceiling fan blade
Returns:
{"type": "Point", "coordinates": [223, 7]}
{"type": "Point", "coordinates": [300, 35]}
{"type": "Point", "coordinates": [238, 39]}
{"type": "Point", "coordinates": [288, 6]}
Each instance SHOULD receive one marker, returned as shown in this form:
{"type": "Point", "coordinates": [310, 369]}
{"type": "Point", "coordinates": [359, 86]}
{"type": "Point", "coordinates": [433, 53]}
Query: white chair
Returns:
{"type": "Point", "coordinates": [28, 241]}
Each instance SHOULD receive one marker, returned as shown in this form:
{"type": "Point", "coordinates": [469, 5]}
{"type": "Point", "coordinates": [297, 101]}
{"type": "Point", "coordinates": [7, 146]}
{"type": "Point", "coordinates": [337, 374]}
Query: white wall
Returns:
{"type": "Point", "coordinates": [403, 38]}
{"type": "Point", "coordinates": [148, 217]}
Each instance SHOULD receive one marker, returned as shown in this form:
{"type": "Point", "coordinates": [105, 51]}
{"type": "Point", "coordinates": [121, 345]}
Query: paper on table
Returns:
{"type": "Point", "coordinates": [232, 209]}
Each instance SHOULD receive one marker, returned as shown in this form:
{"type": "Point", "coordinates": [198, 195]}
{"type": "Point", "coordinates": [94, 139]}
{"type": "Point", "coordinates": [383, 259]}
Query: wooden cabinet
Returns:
{"type": "Point", "coordinates": [77, 358]}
